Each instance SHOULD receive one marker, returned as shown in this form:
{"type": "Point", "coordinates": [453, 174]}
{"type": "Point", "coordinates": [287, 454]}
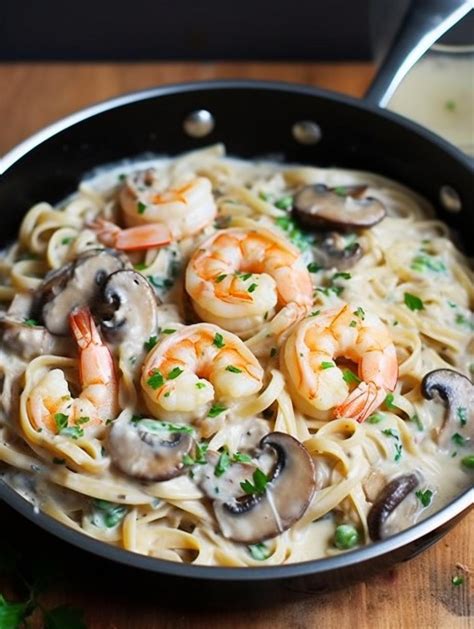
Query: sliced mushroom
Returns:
{"type": "Point", "coordinates": [22, 334]}
{"type": "Point", "coordinates": [128, 308]}
{"type": "Point", "coordinates": [75, 284]}
{"type": "Point", "coordinates": [458, 393]}
{"type": "Point", "coordinates": [256, 517]}
{"type": "Point", "coordinates": [342, 208]}
{"type": "Point", "coordinates": [142, 452]}
{"type": "Point", "coordinates": [332, 251]}
{"type": "Point", "coordinates": [391, 496]}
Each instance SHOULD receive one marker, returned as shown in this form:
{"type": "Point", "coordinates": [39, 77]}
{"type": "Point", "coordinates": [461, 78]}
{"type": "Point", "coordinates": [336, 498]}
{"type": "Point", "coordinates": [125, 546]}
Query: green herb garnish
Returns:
{"type": "Point", "coordinates": [424, 497]}
{"type": "Point", "coordinates": [260, 482]}
{"type": "Point", "coordinates": [313, 267]}
{"type": "Point", "coordinates": [423, 263]}
{"type": "Point", "coordinates": [168, 331]}
{"type": "Point", "coordinates": [284, 203]}
{"type": "Point", "coordinates": [327, 365]}
{"type": "Point", "coordinates": [223, 463]}
{"type": "Point", "coordinates": [238, 457]}
{"type": "Point", "coordinates": [107, 514]}
{"type": "Point", "coordinates": [389, 402]}
{"type": "Point", "coordinates": [376, 418]}
{"type": "Point", "coordinates": [200, 385]}
{"type": "Point", "coordinates": [458, 439]}
{"type": "Point", "coordinates": [260, 552]}
{"type": "Point", "coordinates": [350, 377]}
{"type": "Point", "coordinates": [450, 105]}
{"type": "Point", "coordinates": [360, 313]}
{"type": "Point", "coordinates": [150, 344]}
{"type": "Point", "coordinates": [218, 340]}
{"type": "Point", "coordinates": [74, 432]}
{"type": "Point", "coordinates": [417, 421]}
{"type": "Point", "coordinates": [216, 409]}
{"type": "Point", "coordinates": [220, 277]}
{"type": "Point", "coordinates": [413, 302]}
{"type": "Point", "coordinates": [156, 426]}
{"type": "Point", "coordinates": [461, 412]}
{"type": "Point", "coordinates": [174, 373]}
{"type": "Point", "coordinates": [67, 240]}
{"type": "Point", "coordinates": [343, 275]}
{"type": "Point", "coordinates": [233, 369]}
{"type": "Point", "coordinates": [141, 207]}
{"type": "Point", "coordinates": [61, 421]}
{"type": "Point", "coordinates": [252, 287]}
{"type": "Point", "coordinates": [156, 380]}
{"type": "Point", "coordinates": [468, 461]}
{"type": "Point", "coordinates": [31, 323]}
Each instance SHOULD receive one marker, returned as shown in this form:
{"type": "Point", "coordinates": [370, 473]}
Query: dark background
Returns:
{"type": "Point", "coordinates": [197, 29]}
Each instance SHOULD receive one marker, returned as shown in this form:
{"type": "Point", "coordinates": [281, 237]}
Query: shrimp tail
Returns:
{"type": "Point", "coordinates": [362, 402]}
{"type": "Point", "coordinates": [132, 238]}
{"type": "Point", "coordinates": [83, 328]}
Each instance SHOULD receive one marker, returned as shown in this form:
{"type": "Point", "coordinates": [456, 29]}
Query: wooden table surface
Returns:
{"type": "Point", "coordinates": [417, 594]}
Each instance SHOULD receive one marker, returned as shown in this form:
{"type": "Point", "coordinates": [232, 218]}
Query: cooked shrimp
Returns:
{"type": "Point", "coordinates": [97, 401]}
{"type": "Point", "coordinates": [238, 277]}
{"type": "Point", "coordinates": [196, 366]}
{"type": "Point", "coordinates": [184, 210]}
{"type": "Point", "coordinates": [132, 238]}
{"type": "Point", "coordinates": [317, 384]}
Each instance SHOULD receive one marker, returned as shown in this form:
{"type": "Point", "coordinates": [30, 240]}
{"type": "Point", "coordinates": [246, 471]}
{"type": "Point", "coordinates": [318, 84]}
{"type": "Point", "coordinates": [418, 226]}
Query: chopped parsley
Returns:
{"type": "Point", "coordinates": [376, 418]}
{"type": "Point", "coordinates": [218, 340]}
{"type": "Point", "coordinates": [284, 203]}
{"type": "Point", "coordinates": [343, 275]}
{"type": "Point", "coordinates": [199, 455]}
{"type": "Point", "coordinates": [461, 413]}
{"type": "Point", "coordinates": [238, 457]}
{"type": "Point", "coordinates": [252, 287]}
{"type": "Point", "coordinates": [150, 344]}
{"type": "Point", "coordinates": [327, 365]}
{"type": "Point", "coordinates": [315, 313]}
{"type": "Point", "coordinates": [416, 420]}
{"type": "Point", "coordinates": [223, 463]}
{"type": "Point", "coordinates": [156, 380]}
{"type": "Point", "coordinates": [468, 461]}
{"type": "Point", "coordinates": [352, 324]}
{"type": "Point", "coordinates": [260, 482]}
{"type": "Point", "coordinates": [341, 191]}
{"type": "Point", "coordinates": [216, 409]}
{"type": "Point", "coordinates": [350, 377]}
{"type": "Point", "coordinates": [458, 439]}
{"type": "Point", "coordinates": [233, 369]}
{"type": "Point", "coordinates": [174, 373]}
{"type": "Point", "coordinates": [389, 402]}
{"type": "Point", "coordinates": [83, 420]}
{"type": "Point", "coordinates": [200, 385]}
{"type": "Point", "coordinates": [140, 266]}
{"type": "Point", "coordinates": [220, 277]}
{"type": "Point", "coordinates": [168, 331]}
{"type": "Point", "coordinates": [141, 207]}
{"type": "Point", "coordinates": [423, 262]}
{"type": "Point", "coordinates": [297, 237]}
{"type": "Point", "coordinates": [67, 240]}
{"type": "Point", "coordinates": [424, 497]}
{"type": "Point", "coordinates": [107, 514]}
{"type": "Point", "coordinates": [313, 267]}
{"type": "Point", "coordinates": [74, 432]}
{"type": "Point", "coordinates": [31, 323]}
{"type": "Point", "coordinates": [391, 432]}
{"type": "Point", "coordinates": [245, 276]}
{"type": "Point", "coordinates": [360, 313]}
{"type": "Point", "coordinates": [61, 421]}
{"type": "Point", "coordinates": [260, 551]}
{"type": "Point", "coordinates": [413, 302]}
{"type": "Point", "coordinates": [462, 320]}
{"type": "Point", "coordinates": [450, 105]}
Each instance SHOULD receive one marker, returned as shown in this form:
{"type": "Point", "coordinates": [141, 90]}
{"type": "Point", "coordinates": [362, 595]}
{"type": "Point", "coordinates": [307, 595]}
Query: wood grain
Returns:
{"type": "Point", "coordinates": [417, 594]}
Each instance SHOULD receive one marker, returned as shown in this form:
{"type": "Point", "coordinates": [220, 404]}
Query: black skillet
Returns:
{"type": "Point", "coordinates": [253, 119]}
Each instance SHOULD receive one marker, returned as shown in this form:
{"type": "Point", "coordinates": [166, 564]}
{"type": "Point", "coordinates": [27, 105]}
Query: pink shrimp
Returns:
{"type": "Point", "coordinates": [132, 238]}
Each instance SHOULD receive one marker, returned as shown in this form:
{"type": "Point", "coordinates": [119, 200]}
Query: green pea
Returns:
{"type": "Point", "coordinates": [468, 461]}
{"type": "Point", "coordinates": [346, 537]}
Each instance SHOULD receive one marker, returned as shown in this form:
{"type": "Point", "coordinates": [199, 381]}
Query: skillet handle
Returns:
{"type": "Point", "coordinates": [426, 21]}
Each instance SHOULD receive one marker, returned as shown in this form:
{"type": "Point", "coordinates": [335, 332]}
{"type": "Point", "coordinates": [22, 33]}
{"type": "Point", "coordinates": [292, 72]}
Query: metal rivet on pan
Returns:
{"type": "Point", "coordinates": [450, 199]}
{"type": "Point", "coordinates": [199, 123]}
{"type": "Point", "coordinates": [306, 132]}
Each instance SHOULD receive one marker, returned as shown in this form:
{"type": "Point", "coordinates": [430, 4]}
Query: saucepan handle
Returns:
{"type": "Point", "coordinates": [425, 22]}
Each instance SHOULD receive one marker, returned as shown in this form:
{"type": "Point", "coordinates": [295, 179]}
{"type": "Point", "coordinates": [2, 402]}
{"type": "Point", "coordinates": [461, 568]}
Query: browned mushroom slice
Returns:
{"type": "Point", "coordinates": [457, 391]}
{"type": "Point", "coordinates": [150, 449]}
{"type": "Point", "coordinates": [333, 252]}
{"type": "Point", "coordinates": [387, 501]}
{"type": "Point", "coordinates": [290, 488]}
{"type": "Point", "coordinates": [75, 284]}
{"type": "Point", "coordinates": [342, 208]}
{"type": "Point", "coordinates": [128, 307]}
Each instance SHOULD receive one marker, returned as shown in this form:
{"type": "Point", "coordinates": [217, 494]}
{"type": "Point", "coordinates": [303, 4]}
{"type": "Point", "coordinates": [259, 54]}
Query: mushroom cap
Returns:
{"type": "Point", "coordinates": [128, 307]}
{"type": "Point", "coordinates": [76, 284]}
{"type": "Point", "coordinates": [457, 391]}
{"type": "Point", "coordinates": [254, 518]}
{"type": "Point", "coordinates": [387, 501]}
{"type": "Point", "coordinates": [317, 206]}
{"type": "Point", "coordinates": [143, 453]}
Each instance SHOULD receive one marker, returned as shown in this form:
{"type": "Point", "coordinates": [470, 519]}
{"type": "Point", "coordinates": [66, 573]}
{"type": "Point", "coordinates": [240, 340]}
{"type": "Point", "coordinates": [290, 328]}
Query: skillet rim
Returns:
{"type": "Point", "coordinates": [458, 506]}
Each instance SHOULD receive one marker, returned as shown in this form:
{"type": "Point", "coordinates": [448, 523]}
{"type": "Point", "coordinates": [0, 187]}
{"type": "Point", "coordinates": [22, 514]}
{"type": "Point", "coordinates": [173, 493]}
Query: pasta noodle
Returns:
{"type": "Point", "coordinates": [411, 280]}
